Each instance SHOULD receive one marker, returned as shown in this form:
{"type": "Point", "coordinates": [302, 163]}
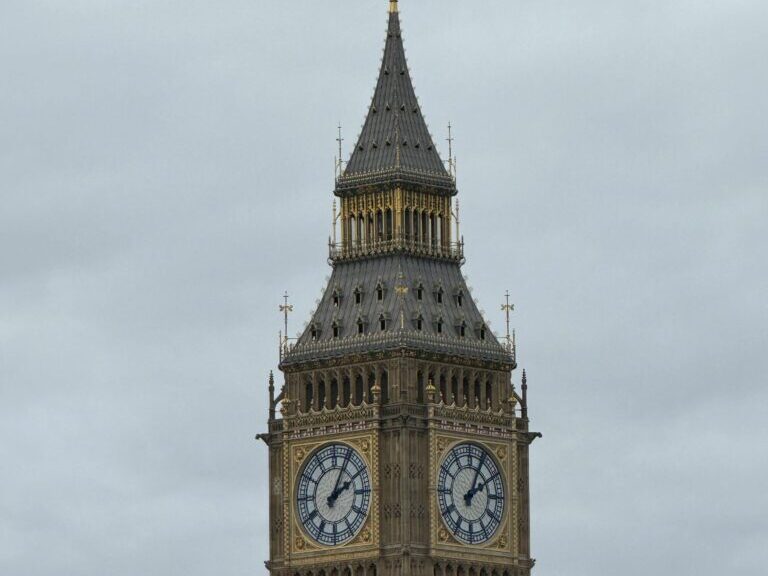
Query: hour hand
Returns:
{"type": "Point", "coordinates": [337, 492]}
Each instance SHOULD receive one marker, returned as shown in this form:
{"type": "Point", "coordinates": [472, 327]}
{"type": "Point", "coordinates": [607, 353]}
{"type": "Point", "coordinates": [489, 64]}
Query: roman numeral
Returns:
{"type": "Point", "coordinates": [362, 491]}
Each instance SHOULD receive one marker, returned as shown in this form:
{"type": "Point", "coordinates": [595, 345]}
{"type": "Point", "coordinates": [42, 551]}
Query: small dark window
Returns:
{"type": "Point", "coordinates": [440, 297]}
{"type": "Point", "coordinates": [335, 330]}
{"type": "Point", "coordinates": [439, 326]}
{"type": "Point", "coordinates": [482, 333]}
{"type": "Point", "coordinates": [382, 323]}
{"type": "Point", "coordinates": [358, 297]}
{"type": "Point", "coordinates": [463, 330]}
{"type": "Point", "coordinates": [460, 299]}
{"type": "Point", "coordinates": [419, 324]}
{"type": "Point", "coordinates": [313, 333]}
{"type": "Point", "coordinates": [380, 293]}
{"type": "Point", "coordinates": [360, 327]}
{"type": "Point", "coordinates": [419, 293]}
{"type": "Point", "coordinates": [336, 299]}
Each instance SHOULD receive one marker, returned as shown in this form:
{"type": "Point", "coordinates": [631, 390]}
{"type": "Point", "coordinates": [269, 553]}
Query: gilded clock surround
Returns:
{"type": "Point", "coordinates": [398, 362]}
{"type": "Point", "coordinates": [298, 545]}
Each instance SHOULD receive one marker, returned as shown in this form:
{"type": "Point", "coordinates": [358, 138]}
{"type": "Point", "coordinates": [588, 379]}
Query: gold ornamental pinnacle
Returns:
{"type": "Point", "coordinates": [392, 6]}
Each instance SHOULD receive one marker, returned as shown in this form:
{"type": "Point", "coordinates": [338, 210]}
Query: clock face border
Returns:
{"type": "Point", "coordinates": [466, 478]}
{"type": "Point", "coordinates": [504, 453]}
{"type": "Point", "coordinates": [358, 501]}
{"type": "Point", "coordinates": [297, 543]}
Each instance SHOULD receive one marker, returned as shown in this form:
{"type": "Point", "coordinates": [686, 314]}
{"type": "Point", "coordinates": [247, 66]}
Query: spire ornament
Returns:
{"type": "Point", "coordinates": [285, 309]}
{"type": "Point", "coordinates": [392, 6]}
{"type": "Point", "coordinates": [507, 308]}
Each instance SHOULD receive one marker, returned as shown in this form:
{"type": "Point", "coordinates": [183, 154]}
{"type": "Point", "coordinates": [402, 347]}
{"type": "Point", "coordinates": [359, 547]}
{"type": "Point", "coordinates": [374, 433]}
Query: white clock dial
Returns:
{"type": "Point", "coordinates": [470, 493]}
{"type": "Point", "coordinates": [333, 494]}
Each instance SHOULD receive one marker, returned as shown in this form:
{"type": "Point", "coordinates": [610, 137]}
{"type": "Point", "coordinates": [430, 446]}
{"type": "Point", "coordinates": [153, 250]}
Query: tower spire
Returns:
{"type": "Point", "coordinates": [395, 144]}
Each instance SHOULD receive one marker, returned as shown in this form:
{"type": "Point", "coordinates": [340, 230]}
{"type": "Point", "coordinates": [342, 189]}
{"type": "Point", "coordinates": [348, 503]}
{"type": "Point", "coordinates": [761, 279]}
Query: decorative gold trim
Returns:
{"type": "Point", "coordinates": [442, 443]}
{"type": "Point", "coordinates": [302, 549]}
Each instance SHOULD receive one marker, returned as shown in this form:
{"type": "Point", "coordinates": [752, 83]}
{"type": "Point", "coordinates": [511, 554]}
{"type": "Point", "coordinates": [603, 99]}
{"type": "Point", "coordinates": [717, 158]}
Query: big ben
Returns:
{"type": "Point", "coordinates": [398, 444]}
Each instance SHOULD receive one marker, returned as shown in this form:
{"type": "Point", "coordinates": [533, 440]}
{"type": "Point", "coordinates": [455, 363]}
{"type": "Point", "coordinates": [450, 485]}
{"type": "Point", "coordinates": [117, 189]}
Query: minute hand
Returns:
{"type": "Point", "coordinates": [468, 496]}
{"type": "Point", "coordinates": [335, 494]}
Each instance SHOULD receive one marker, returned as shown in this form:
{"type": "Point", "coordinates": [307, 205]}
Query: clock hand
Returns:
{"type": "Point", "coordinates": [468, 496]}
{"type": "Point", "coordinates": [335, 494]}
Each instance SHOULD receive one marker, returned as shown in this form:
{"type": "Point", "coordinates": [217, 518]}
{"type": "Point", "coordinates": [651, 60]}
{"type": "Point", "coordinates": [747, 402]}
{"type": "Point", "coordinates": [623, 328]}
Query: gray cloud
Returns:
{"type": "Point", "coordinates": [166, 174]}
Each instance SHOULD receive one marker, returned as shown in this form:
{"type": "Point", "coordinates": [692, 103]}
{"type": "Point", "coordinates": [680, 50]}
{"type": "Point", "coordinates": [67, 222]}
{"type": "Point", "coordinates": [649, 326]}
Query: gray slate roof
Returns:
{"type": "Point", "coordinates": [400, 312]}
{"type": "Point", "coordinates": [395, 141]}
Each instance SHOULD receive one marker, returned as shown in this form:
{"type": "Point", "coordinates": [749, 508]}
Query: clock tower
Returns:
{"type": "Point", "coordinates": [398, 444]}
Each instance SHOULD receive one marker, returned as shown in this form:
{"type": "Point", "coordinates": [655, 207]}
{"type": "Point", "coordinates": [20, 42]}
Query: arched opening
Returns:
{"type": "Point", "coordinates": [488, 395]}
{"type": "Point", "coordinates": [369, 391]}
{"type": "Point", "coordinates": [407, 224]}
{"type": "Point", "coordinates": [384, 387]}
{"type": "Point", "coordinates": [388, 224]}
{"type": "Point", "coordinates": [334, 393]}
{"type": "Point", "coordinates": [358, 390]}
{"type": "Point", "coordinates": [352, 229]}
{"type": "Point", "coordinates": [369, 235]}
{"type": "Point", "coordinates": [440, 230]}
{"type": "Point", "coordinates": [321, 394]}
{"type": "Point", "coordinates": [476, 399]}
{"type": "Point", "coordinates": [379, 226]}
{"type": "Point", "coordinates": [346, 391]}
{"type": "Point", "coordinates": [433, 230]}
{"type": "Point", "coordinates": [420, 387]}
{"type": "Point", "coordinates": [443, 390]}
{"type": "Point", "coordinates": [424, 228]}
{"type": "Point", "coordinates": [455, 390]}
{"type": "Point", "coordinates": [382, 323]}
{"type": "Point", "coordinates": [360, 230]}
{"type": "Point", "coordinates": [308, 396]}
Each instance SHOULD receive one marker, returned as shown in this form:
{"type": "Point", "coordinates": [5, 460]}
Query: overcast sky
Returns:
{"type": "Point", "coordinates": [166, 173]}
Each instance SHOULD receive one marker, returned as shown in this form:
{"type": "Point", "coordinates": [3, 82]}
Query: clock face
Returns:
{"type": "Point", "coordinates": [470, 493]}
{"type": "Point", "coordinates": [334, 494]}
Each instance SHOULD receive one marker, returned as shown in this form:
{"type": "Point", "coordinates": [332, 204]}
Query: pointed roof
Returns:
{"type": "Point", "coordinates": [395, 144]}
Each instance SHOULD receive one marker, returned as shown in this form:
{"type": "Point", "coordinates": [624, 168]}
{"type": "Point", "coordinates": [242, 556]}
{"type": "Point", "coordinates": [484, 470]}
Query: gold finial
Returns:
{"type": "Point", "coordinates": [392, 6]}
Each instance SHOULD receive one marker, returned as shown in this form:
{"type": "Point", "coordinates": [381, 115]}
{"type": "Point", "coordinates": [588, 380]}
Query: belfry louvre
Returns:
{"type": "Point", "coordinates": [398, 444]}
